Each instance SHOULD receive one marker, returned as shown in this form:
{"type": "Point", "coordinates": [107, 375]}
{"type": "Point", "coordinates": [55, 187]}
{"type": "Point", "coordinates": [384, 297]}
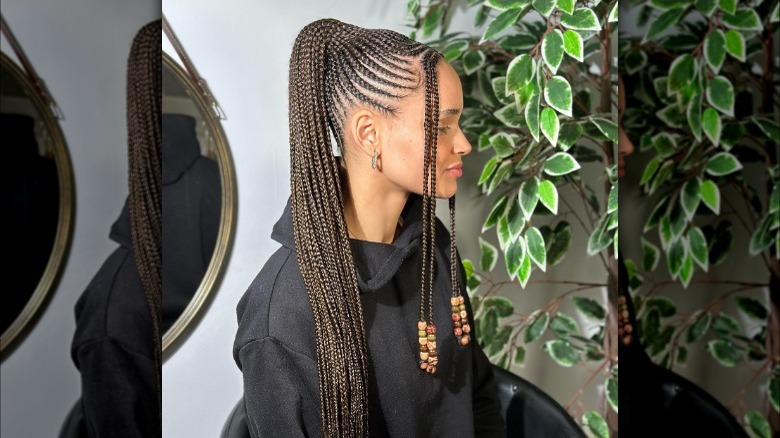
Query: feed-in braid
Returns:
{"type": "Point", "coordinates": [144, 95]}
{"type": "Point", "coordinates": [335, 67]}
{"type": "Point", "coordinates": [429, 195]}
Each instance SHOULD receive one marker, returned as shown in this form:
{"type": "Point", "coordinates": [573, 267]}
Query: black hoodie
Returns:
{"type": "Point", "coordinates": [276, 351]}
{"type": "Point", "coordinates": [113, 346]}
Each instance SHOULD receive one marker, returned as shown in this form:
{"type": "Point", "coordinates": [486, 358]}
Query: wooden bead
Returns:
{"type": "Point", "coordinates": [423, 365]}
{"type": "Point", "coordinates": [423, 347]}
{"type": "Point", "coordinates": [455, 309]}
{"type": "Point", "coordinates": [424, 355]}
{"type": "Point", "coordinates": [455, 317]}
{"type": "Point", "coordinates": [461, 307]}
{"type": "Point", "coordinates": [431, 337]}
{"type": "Point", "coordinates": [458, 332]}
{"type": "Point", "coordinates": [421, 325]}
{"type": "Point", "coordinates": [466, 328]}
{"type": "Point", "coordinates": [421, 333]}
{"type": "Point", "coordinates": [464, 340]}
{"type": "Point", "coordinates": [460, 299]}
{"type": "Point", "coordinates": [454, 301]}
{"type": "Point", "coordinates": [463, 314]}
{"type": "Point", "coordinates": [432, 329]}
{"type": "Point", "coordinates": [423, 340]}
{"type": "Point", "coordinates": [456, 324]}
{"type": "Point", "coordinates": [431, 346]}
{"type": "Point", "coordinates": [432, 354]}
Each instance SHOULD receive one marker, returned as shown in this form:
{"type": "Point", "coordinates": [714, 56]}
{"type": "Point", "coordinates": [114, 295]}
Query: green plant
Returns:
{"type": "Point", "coordinates": [535, 108]}
{"type": "Point", "coordinates": [704, 108]}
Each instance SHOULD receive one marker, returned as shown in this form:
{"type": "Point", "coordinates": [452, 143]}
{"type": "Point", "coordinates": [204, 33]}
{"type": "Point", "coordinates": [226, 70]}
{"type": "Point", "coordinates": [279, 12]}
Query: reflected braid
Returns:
{"type": "Point", "coordinates": [144, 95]}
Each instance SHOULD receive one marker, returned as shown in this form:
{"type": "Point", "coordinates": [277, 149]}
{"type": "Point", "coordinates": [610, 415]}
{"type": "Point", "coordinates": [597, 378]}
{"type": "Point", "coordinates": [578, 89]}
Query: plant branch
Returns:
{"type": "Point", "coordinates": [581, 389]}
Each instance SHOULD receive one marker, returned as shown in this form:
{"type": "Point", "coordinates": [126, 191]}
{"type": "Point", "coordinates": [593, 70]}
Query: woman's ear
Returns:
{"type": "Point", "coordinates": [364, 129]}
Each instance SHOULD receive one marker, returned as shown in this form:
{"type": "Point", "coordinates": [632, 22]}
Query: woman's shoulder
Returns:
{"type": "Point", "coordinates": [276, 305]}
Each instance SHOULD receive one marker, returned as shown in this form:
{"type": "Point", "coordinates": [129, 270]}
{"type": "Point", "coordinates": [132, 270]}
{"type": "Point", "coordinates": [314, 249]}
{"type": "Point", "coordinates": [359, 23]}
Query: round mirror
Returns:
{"type": "Point", "coordinates": [38, 189]}
{"type": "Point", "coordinates": [198, 200]}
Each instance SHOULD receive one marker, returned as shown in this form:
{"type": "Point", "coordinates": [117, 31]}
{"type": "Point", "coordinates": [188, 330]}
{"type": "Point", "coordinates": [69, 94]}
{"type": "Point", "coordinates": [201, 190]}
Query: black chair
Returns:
{"type": "Point", "coordinates": [75, 425]}
{"type": "Point", "coordinates": [236, 425]}
{"type": "Point", "coordinates": [527, 410]}
{"type": "Point", "coordinates": [531, 412]}
{"type": "Point", "coordinates": [693, 411]}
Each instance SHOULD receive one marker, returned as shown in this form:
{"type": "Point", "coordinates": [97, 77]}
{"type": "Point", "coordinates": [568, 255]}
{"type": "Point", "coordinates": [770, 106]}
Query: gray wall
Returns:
{"type": "Point", "coordinates": [80, 49]}
{"type": "Point", "coordinates": [242, 49]}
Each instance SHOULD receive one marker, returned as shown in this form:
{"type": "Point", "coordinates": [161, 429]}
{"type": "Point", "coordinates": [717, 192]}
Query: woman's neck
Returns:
{"type": "Point", "coordinates": [371, 209]}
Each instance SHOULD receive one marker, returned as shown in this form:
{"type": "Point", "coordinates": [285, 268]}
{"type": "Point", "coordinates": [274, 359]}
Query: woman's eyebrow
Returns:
{"type": "Point", "coordinates": [449, 112]}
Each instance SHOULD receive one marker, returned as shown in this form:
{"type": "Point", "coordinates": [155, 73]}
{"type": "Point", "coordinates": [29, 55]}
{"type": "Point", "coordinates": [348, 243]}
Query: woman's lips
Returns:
{"type": "Point", "coordinates": [455, 171]}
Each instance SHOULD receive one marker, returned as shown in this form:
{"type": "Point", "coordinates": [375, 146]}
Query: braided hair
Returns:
{"type": "Point", "coordinates": [334, 67]}
{"type": "Point", "coordinates": [144, 96]}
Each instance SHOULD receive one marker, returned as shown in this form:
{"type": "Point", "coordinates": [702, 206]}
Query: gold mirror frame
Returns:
{"type": "Point", "coordinates": [228, 207]}
{"type": "Point", "coordinates": [65, 216]}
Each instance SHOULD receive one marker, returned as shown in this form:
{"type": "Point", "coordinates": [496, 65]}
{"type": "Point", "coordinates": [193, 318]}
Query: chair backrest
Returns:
{"type": "Point", "coordinates": [531, 412]}
{"type": "Point", "coordinates": [528, 411]}
{"type": "Point", "coordinates": [236, 425]}
{"type": "Point", "coordinates": [693, 411]}
{"type": "Point", "coordinates": [75, 425]}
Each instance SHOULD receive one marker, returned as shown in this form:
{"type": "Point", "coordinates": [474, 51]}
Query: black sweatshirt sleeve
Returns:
{"type": "Point", "coordinates": [116, 398]}
{"type": "Point", "coordinates": [273, 388]}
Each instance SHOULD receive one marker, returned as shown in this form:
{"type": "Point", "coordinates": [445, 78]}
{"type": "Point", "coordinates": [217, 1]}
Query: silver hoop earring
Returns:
{"type": "Point", "coordinates": [373, 160]}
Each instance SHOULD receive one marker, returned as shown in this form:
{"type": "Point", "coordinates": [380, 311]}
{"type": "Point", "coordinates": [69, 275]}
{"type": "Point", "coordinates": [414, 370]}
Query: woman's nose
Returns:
{"type": "Point", "coordinates": [462, 145]}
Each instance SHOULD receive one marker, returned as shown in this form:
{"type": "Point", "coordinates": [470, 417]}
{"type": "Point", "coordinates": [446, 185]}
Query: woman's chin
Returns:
{"type": "Point", "coordinates": [448, 192]}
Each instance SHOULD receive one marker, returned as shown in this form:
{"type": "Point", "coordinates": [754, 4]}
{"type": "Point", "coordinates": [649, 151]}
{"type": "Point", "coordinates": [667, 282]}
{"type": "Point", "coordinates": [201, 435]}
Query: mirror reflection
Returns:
{"type": "Point", "coordinates": [192, 195]}
{"type": "Point", "coordinates": [31, 190]}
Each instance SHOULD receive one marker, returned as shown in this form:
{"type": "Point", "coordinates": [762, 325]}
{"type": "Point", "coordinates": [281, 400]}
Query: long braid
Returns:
{"type": "Point", "coordinates": [333, 67]}
{"type": "Point", "coordinates": [144, 94]}
{"type": "Point", "coordinates": [429, 221]}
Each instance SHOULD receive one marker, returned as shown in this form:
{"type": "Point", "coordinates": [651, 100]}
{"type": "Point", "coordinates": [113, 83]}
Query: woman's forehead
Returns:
{"type": "Point", "coordinates": [450, 88]}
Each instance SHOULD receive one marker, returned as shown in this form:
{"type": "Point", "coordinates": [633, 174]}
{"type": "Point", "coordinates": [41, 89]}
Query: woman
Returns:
{"type": "Point", "coordinates": [359, 324]}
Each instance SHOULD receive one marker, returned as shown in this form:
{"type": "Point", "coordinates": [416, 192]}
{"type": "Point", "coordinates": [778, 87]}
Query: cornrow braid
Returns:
{"type": "Point", "coordinates": [144, 95]}
{"type": "Point", "coordinates": [335, 66]}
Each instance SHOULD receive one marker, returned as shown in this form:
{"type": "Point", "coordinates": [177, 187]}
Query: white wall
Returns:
{"type": "Point", "coordinates": [80, 48]}
{"type": "Point", "coordinates": [242, 49]}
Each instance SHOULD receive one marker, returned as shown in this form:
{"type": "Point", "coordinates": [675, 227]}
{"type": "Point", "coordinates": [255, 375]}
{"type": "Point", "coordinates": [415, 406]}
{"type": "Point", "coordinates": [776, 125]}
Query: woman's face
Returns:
{"type": "Point", "coordinates": [403, 143]}
{"type": "Point", "coordinates": [625, 147]}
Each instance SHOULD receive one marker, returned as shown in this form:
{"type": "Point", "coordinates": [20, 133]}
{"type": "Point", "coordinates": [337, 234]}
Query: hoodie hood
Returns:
{"type": "Point", "coordinates": [120, 230]}
{"type": "Point", "coordinates": [180, 147]}
{"type": "Point", "coordinates": [376, 262]}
